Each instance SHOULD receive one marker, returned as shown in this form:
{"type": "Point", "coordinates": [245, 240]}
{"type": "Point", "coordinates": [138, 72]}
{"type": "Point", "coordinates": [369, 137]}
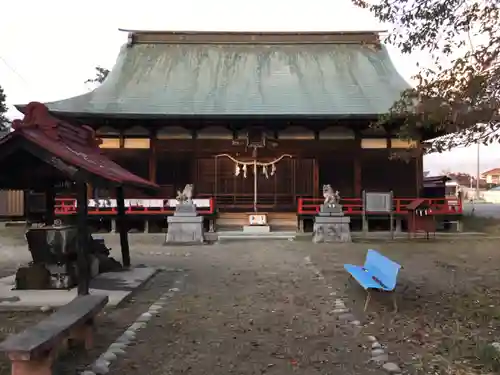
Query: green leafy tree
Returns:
{"type": "Point", "coordinates": [100, 75]}
{"type": "Point", "coordinates": [4, 122]}
{"type": "Point", "coordinates": [459, 92]}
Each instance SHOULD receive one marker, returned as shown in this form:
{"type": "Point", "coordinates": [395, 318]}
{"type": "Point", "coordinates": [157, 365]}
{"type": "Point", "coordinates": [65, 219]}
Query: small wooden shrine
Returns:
{"type": "Point", "coordinates": [45, 154]}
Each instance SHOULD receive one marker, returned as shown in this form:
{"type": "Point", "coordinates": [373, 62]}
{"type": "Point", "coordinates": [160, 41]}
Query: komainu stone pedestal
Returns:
{"type": "Point", "coordinates": [185, 227]}
{"type": "Point", "coordinates": [330, 225]}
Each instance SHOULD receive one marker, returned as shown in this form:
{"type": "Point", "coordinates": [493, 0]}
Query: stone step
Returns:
{"type": "Point", "coordinates": [238, 236]}
{"type": "Point", "coordinates": [254, 238]}
{"type": "Point", "coordinates": [239, 228]}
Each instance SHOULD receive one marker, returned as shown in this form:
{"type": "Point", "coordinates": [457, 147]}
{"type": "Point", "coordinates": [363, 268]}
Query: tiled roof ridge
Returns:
{"type": "Point", "coordinates": [253, 37]}
{"type": "Point", "coordinates": [37, 116]}
{"type": "Point", "coordinates": [254, 32]}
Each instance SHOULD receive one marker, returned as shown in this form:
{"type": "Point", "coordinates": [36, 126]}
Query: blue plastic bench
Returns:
{"type": "Point", "coordinates": [379, 272]}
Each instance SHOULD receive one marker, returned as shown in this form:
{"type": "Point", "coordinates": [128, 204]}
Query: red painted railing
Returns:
{"type": "Point", "coordinates": [354, 206]}
{"type": "Point", "coordinates": [67, 206]}
{"type": "Point", "coordinates": [305, 206]}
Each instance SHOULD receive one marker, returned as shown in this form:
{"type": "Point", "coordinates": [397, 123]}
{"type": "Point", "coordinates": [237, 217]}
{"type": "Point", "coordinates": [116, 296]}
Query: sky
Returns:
{"type": "Point", "coordinates": [49, 48]}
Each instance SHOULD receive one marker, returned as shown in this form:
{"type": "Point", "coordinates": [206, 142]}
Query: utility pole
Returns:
{"type": "Point", "coordinates": [478, 171]}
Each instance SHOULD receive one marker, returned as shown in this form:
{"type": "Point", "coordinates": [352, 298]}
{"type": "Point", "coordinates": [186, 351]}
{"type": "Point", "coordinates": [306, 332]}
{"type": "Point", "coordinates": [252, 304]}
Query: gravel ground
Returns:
{"type": "Point", "coordinates": [244, 310]}
{"type": "Point", "coordinates": [259, 307]}
{"type": "Point", "coordinates": [247, 310]}
{"type": "Point", "coordinates": [112, 323]}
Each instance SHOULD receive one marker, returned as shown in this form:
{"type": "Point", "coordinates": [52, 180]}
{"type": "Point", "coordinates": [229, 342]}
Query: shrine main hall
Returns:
{"type": "Point", "coordinates": [257, 121]}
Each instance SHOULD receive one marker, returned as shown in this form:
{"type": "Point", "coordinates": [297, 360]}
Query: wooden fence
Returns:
{"type": "Point", "coordinates": [11, 204]}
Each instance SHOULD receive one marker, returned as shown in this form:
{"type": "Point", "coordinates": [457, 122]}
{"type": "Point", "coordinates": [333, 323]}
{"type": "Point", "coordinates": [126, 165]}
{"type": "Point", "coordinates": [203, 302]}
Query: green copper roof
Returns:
{"type": "Point", "coordinates": [327, 79]}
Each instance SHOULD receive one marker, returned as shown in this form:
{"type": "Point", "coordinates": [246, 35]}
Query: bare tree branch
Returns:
{"type": "Point", "coordinates": [100, 75]}
{"type": "Point", "coordinates": [460, 94]}
{"type": "Point", "coordinates": [4, 122]}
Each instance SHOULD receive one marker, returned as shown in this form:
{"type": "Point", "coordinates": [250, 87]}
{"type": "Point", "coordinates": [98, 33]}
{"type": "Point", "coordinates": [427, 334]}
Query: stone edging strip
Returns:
{"type": "Point", "coordinates": [378, 353]}
{"type": "Point", "coordinates": [101, 364]}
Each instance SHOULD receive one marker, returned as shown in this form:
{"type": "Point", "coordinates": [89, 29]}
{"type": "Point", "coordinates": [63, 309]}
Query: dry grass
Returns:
{"type": "Point", "coordinates": [481, 224]}
{"type": "Point", "coordinates": [448, 296]}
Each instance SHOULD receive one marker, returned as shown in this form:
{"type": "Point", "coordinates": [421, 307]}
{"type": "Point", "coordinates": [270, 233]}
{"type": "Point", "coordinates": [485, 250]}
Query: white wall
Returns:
{"type": "Point", "coordinates": [492, 196]}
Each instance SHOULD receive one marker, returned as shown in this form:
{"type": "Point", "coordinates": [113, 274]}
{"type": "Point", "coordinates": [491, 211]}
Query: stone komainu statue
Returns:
{"type": "Point", "coordinates": [186, 195]}
{"type": "Point", "coordinates": [331, 198]}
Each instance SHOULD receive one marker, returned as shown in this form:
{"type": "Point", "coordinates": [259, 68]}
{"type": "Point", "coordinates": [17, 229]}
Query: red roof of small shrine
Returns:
{"type": "Point", "coordinates": [416, 203]}
{"type": "Point", "coordinates": [75, 145]}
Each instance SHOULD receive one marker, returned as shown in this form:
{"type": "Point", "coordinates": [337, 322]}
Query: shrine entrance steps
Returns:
{"type": "Point", "coordinates": [278, 221]}
{"type": "Point", "coordinates": [230, 225]}
{"type": "Point", "coordinates": [240, 235]}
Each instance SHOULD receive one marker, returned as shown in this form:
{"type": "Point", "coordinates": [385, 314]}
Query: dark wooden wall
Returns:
{"type": "Point", "coordinates": [342, 164]}
{"type": "Point", "coordinates": [339, 173]}
{"type": "Point", "coordinates": [380, 173]}
{"type": "Point", "coordinates": [293, 178]}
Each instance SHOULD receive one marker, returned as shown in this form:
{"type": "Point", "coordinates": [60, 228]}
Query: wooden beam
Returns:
{"type": "Point", "coordinates": [122, 226]}
{"type": "Point", "coordinates": [83, 240]}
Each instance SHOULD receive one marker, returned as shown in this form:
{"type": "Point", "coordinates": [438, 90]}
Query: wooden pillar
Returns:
{"type": "Point", "coordinates": [316, 178]}
{"type": "Point", "coordinates": [216, 176]}
{"type": "Point", "coordinates": [419, 169]}
{"type": "Point", "coordinates": [83, 240]}
{"type": "Point", "coordinates": [122, 139]}
{"type": "Point", "coordinates": [153, 159]}
{"type": "Point", "coordinates": [275, 191]}
{"type": "Point", "coordinates": [194, 169]}
{"type": "Point", "coordinates": [358, 152]}
{"type": "Point", "coordinates": [122, 226]}
{"type": "Point", "coordinates": [90, 191]}
{"type": "Point", "coordinates": [357, 176]}
{"type": "Point", "coordinates": [50, 201]}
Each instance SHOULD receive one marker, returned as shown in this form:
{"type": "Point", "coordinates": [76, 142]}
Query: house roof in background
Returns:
{"type": "Point", "coordinates": [495, 171]}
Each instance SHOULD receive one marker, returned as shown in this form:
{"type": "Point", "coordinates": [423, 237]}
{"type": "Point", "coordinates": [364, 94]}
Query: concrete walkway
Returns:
{"type": "Point", "coordinates": [491, 210]}
{"type": "Point", "coordinates": [118, 286]}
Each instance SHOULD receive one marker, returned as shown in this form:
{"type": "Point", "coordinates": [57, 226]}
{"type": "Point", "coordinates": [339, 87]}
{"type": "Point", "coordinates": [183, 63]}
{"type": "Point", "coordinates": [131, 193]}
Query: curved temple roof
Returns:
{"type": "Point", "coordinates": [171, 74]}
{"type": "Point", "coordinates": [71, 149]}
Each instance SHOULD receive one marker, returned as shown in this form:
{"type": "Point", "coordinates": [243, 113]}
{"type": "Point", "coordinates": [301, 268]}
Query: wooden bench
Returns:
{"type": "Point", "coordinates": [379, 273]}
{"type": "Point", "coordinates": [33, 350]}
